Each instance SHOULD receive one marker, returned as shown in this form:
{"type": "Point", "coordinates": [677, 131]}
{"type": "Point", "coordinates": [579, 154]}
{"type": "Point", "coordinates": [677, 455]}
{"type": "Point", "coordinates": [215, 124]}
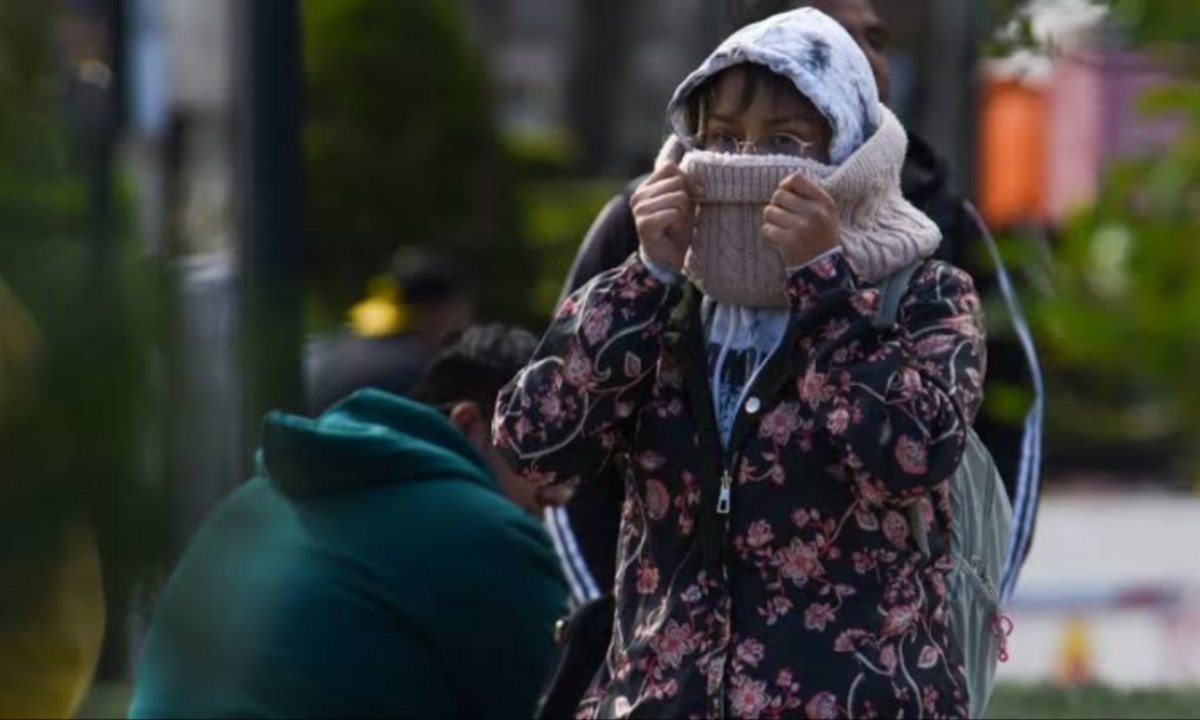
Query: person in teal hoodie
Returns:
{"type": "Point", "coordinates": [384, 562]}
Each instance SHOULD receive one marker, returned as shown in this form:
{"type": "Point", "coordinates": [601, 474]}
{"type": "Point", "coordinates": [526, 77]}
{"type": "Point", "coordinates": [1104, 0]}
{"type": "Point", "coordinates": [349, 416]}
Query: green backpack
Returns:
{"type": "Point", "coordinates": [982, 520]}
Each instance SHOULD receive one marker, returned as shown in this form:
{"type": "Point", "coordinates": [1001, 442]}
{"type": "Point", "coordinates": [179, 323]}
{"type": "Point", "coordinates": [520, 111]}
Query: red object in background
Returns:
{"type": "Point", "coordinates": [1012, 153]}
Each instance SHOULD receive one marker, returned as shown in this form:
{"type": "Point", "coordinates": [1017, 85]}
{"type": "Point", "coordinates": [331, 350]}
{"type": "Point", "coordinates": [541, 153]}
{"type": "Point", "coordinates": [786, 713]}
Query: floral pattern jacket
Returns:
{"type": "Point", "coordinates": [779, 578]}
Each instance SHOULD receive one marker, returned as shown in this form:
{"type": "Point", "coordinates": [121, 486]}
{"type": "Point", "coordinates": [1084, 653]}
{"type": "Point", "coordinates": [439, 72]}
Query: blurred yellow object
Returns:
{"type": "Point", "coordinates": [51, 589]}
{"type": "Point", "coordinates": [382, 313]}
{"type": "Point", "coordinates": [1075, 655]}
{"type": "Point", "coordinates": [50, 646]}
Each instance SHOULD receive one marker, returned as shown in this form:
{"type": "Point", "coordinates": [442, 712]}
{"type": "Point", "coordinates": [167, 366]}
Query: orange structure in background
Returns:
{"type": "Point", "coordinates": [1013, 186]}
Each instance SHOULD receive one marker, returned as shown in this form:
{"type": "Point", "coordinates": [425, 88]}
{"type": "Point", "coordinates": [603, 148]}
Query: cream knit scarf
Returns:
{"type": "Point", "coordinates": [881, 232]}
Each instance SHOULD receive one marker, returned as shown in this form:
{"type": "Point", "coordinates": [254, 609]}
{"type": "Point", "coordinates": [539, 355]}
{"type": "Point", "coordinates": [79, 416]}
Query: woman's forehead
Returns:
{"type": "Point", "coordinates": [736, 91]}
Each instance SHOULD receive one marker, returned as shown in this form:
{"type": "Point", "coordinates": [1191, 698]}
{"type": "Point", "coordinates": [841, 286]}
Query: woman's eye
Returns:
{"type": "Point", "coordinates": [788, 144]}
{"type": "Point", "coordinates": [722, 142]}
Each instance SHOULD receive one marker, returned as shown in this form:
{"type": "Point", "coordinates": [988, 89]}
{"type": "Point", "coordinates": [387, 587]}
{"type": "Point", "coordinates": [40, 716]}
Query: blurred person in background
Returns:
{"type": "Point", "coordinates": [773, 431]}
{"type": "Point", "coordinates": [394, 332]}
{"type": "Point", "coordinates": [51, 588]}
{"type": "Point", "coordinates": [385, 562]}
{"type": "Point", "coordinates": [586, 528]}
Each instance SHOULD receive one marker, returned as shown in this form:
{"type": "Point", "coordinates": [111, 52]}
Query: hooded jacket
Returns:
{"type": "Point", "coordinates": [371, 569]}
{"type": "Point", "coordinates": [589, 524]}
{"type": "Point", "coordinates": [776, 574]}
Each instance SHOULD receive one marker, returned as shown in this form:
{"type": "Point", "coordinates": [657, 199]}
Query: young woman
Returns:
{"type": "Point", "coordinates": [773, 430]}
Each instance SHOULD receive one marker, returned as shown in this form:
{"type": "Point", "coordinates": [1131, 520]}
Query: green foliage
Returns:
{"type": "Point", "coordinates": [400, 149]}
{"type": "Point", "coordinates": [1122, 324]}
{"type": "Point", "coordinates": [80, 450]}
{"type": "Point", "coordinates": [1013, 701]}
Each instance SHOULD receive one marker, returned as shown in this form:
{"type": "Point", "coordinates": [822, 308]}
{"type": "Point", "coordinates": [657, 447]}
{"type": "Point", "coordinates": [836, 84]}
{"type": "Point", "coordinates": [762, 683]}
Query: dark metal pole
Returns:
{"type": "Point", "coordinates": [269, 114]}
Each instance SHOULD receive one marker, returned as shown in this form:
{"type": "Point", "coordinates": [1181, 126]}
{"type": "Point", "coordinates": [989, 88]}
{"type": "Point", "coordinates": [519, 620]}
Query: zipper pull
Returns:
{"type": "Point", "coordinates": [724, 497]}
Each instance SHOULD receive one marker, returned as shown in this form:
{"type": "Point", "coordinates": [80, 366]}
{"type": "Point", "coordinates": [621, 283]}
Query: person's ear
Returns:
{"type": "Point", "coordinates": [470, 420]}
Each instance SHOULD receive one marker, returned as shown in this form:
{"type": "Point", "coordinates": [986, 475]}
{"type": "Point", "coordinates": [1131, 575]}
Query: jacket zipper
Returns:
{"type": "Point", "coordinates": [724, 504]}
{"type": "Point", "coordinates": [723, 500]}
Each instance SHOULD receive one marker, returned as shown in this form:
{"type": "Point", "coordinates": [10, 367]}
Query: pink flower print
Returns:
{"type": "Point", "coordinates": [647, 582]}
{"type": "Point", "coordinates": [577, 368]}
{"type": "Point", "coordinates": [866, 520]}
{"type": "Point", "coordinates": [799, 563]}
{"type": "Point", "coordinates": [674, 643]}
{"type": "Point", "coordinates": [633, 365]}
{"type": "Point", "coordinates": [785, 678]}
{"type": "Point", "coordinates": [551, 408]}
{"type": "Point", "coordinates": [929, 698]}
{"type": "Point", "coordinates": [895, 528]}
{"type": "Point", "coordinates": [929, 657]}
{"type": "Point", "coordinates": [748, 698]}
{"type": "Point", "coordinates": [814, 388]}
{"type": "Point", "coordinates": [899, 620]}
{"type": "Point", "coordinates": [750, 652]}
{"type": "Point", "coordinates": [887, 659]}
{"type": "Point", "coordinates": [780, 424]}
{"type": "Point", "coordinates": [650, 460]}
{"type": "Point", "coordinates": [911, 455]}
{"type": "Point", "coordinates": [658, 500]}
{"type": "Point", "coordinates": [863, 562]}
{"type": "Point", "coordinates": [838, 421]}
{"type": "Point", "coordinates": [824, 706]}
{"type": "Point", "coordinates": [779, 606]}
{"type": "Point", "coordinates": [597, 323]}
{"type": "Point", "coordinates": [849, 640]}
{"type": "Point", "coordinates": [935, 345]}
{"type": "Point", "coordinates": [760, 534]}
{"type": "Point", "coordinates": [910, 382]}
{"type": "Point", "coordinates": [777, 474]}
{"type": "Point", "coordinates": [864, 302]}
{"type": "Point", "coordinates": [871, 491]}
{"type": "Point", "coordinates": [818, 616]}
{"type": "Point", "coordinates": [800, 518]}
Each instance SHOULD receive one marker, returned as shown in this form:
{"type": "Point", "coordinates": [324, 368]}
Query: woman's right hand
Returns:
{"type": "Point", "coordinates": [664, 210]}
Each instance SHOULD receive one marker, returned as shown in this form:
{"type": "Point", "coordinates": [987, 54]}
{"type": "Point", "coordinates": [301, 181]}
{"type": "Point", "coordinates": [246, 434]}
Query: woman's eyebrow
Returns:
{"type": "Point", "coordinates": [791, 118]}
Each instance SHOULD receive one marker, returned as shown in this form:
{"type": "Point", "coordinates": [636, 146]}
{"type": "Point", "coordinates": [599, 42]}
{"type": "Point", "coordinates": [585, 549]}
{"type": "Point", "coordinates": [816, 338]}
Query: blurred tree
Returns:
{"type": "Point", "coordinates": [78, 456]}
{"type": "Point", "coordinates": [1122, 322]}
{"type": "Point", "coordinates": [401, 150]}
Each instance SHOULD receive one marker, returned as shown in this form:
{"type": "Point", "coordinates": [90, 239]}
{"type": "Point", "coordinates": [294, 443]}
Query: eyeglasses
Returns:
{"type": "Point", "coordinates": [777, 144]}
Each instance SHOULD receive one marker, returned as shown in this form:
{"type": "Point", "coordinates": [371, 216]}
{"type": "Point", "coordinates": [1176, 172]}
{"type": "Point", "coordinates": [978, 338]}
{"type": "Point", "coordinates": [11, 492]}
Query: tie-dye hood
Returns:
{"type": "Point", "coordinates": [817, 54]}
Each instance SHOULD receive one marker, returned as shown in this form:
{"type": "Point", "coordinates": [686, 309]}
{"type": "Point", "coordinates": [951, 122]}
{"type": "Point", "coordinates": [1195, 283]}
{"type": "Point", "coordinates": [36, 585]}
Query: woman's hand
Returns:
{"type": "Point", "coordinates": [801, 221]}
{"type": "Point", "coordinates": [664, 210]}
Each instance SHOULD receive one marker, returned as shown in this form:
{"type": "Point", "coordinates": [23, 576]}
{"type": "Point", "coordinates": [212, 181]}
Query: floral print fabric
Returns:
{"type": "Point", "coordinates": [823, 605]}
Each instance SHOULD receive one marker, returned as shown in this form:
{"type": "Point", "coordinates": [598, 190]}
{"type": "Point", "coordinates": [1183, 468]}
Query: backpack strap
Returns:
{"type": "Point", "coordinates": [894, 289]}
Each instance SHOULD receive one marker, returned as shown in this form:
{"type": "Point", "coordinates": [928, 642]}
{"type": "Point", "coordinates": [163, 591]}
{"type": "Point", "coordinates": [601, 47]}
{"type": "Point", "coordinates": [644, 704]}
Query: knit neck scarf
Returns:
{"type": "Point", "coordinates": [881, 232]}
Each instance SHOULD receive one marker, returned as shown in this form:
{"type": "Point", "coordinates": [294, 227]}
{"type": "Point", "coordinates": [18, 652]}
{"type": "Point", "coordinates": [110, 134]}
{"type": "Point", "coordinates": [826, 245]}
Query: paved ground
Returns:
{"type": "Point", "coordinates": [1116, 562]}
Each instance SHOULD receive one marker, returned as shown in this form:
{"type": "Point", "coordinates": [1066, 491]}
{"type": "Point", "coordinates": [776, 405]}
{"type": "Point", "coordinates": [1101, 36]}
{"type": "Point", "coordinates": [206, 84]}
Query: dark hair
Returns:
{"type": "Point", "coordinates": [426, 277]}
{"type": "Point", "coordinates": [476, 366]}
{"type": "Point", "coordinates": [755, 79]}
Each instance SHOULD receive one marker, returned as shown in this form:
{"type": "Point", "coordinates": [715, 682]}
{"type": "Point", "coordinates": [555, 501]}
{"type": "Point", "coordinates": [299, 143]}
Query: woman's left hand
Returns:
{"type": "Point", "coordinates": [801, 221]}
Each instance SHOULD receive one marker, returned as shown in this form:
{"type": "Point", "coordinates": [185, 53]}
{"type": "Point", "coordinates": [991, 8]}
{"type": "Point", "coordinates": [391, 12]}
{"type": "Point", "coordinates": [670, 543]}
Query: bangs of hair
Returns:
{"type": "Point", "coordinates": [755, 79]}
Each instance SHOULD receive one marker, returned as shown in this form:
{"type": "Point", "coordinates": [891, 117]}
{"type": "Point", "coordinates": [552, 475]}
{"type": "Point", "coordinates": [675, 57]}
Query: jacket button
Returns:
{"type": "Point", "coordinates": [753, 405]}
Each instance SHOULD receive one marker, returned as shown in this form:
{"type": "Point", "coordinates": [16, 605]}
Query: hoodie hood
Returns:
{"type": "Point", "coordinates": [820, 58]}
{"type": "Point", "coordinates": [371, 438]}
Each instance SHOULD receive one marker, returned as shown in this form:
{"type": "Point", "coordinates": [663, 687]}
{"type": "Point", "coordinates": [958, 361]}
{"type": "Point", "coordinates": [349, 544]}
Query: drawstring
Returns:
{"type": "Point", "coordinates": [1002, 628]}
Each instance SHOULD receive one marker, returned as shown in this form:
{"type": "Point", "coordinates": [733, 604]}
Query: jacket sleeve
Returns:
{"type": "Point", "coordinates": [896, 401]}
{"type": "Point", "coordinates": [563, 415]}
{"type": "Point", "coordinates": [610, 240]}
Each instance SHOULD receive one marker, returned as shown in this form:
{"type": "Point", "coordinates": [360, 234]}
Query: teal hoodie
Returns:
{"type": "Point", "coordinates": [372, 568]}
